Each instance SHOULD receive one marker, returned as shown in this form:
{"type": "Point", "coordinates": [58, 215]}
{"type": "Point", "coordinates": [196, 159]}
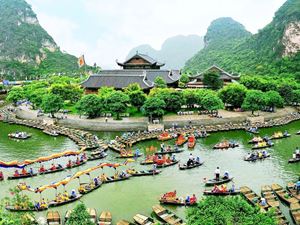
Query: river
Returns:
{"type": "Point", "coordinates": [139, 194]}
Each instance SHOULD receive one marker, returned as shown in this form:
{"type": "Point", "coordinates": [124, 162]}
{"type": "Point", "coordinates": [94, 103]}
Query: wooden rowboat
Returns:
{"type": "Point", "coordinates": [55, 203]}
{"type": "Point", "coordinates": [208, 192]}
{"type": "Point", "coordinates": [53, 218]}
{"type": "Point", "coordinates": [22, 176]}
{"type": "Point", "coordinates": [168, 152]}
{"type": "Point", "coordinates": [97, 156]}
{"type": "Point", "coordinates": [74, 164]}
{"type": "Point", "coordinates": [294, 160]}
{"type": "Point", "coordinates": [147, 162]}
{"type": "Point", "coordinates": [167, 216]}
{"type": "Point", "coordinates": [295, 212]}
{"type": "Point", "coordinates": [179, 201]}
{"type": "Point", "coordinates": [105, 218]}
{"type": "Point", "coordinates": [181, 140]}
{"type": "Point", "coordinates": [283, 194]}
{"type": "Point", "coordinates": [15, 136]}
{"type": "Point", "coordinates": [143, 173]}
{"type": "Point", "coordinates": [14, 209]}
{"type": "Point", "coordinates": [88, 187]}
{"type": "Point", "coordinates": [279, 137]}
{"type": "Point", "coordinates": [185, 167]}
{"type": "Point", "coordinates": [230, 145]}
{"type": "Point", "coordinates": [256, 158]}
{"type": "Point", "coordinates": [113, 179]}
{"type": "Point", "coordinates": [253, 198]}
{"type": "Point", "coordinates": [58, 169]}
{"type": "Point", "coordinates": [124, 222]}
{"type": "Point", "coordinates": [292, 190]}
{"type": "Point", "coordinates": [273, 202]}
{"type": "Point", "coordinates": [191, 142]}
{"type": "Point", "coordinates": [143, 220]}
{"type": "Point", "coordinates": [262, 146]}
{"type": "Point", "coordinates": [212, 182]}
{"type": "Point", "coordinates": [167, 164]}
{"type": "Point", "coordinates": [164, 137]}
{"type": "Point", "coordinates": [131, 155]}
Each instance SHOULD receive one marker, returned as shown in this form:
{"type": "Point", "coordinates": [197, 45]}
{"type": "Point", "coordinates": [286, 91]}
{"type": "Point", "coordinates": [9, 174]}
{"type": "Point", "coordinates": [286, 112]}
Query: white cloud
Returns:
{"type": "Point", "coordinates": [117, 26]}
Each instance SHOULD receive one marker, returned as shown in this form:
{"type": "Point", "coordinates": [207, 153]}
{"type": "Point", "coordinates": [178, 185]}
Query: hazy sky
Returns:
{"type": "Point", "coordinates": [107, 30]}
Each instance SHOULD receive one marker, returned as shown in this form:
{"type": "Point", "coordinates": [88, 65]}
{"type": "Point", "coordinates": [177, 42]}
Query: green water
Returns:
{"type": "Point", "coordinates": [139, 194]}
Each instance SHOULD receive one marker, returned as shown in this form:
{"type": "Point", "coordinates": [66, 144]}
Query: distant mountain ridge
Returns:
{"type": "Point", "coordinates": [273, 50]}
{"type": "Point", "coordinates": [174, 51]}
{"type": "Point", "coordinates": [26, 49]}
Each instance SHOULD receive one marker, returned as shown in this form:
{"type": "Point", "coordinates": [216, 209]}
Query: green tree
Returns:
{"type": "Point", "coordinates": [273, 99]}
{"type": "Point", "coordinates": [52, 104]}
{"type": "Point", "coordinates": [212, 102]}
{"type": "Point", "coordinates": [296, 97]}
{"type": "Point", "coordinates": [231, 210]}
{"type": "Point", "coordinates": [132, 88]}
{"type": "Point", "coordinates": [154, 107]}
{"type": "Point", "coordinates": [286, 91]}
{"type": "Point", "coordinates": [105, 92]}
{"type": "Point", "coordinates": [190, 97]}
{"type": "Point", "coordinates": [174, 101]}
{"type": "Point", "coordinates": [79, 216]}
{"type": "Point", "coordinates": [137, 98]}
{"type": "Point", "coordinates": [136, 95]}
{"type": "Point", "coordinates": [212, 80]}
{"type": "Point", "coordinates": [15, 94]}
{"type": "Point", "coordinates": [69, 92]}
{"type": "Point", "coordinates": [90, 105]}
{"type": "Point", "coordinates": [117, 103]}
{"type": "Point", "coordinates": [254, 101]}
{"type": "Point", "coordinates": [159, 82]}
{"type": "Point", "coordinates": [36, 96]}
{"type": "Point", "coordinates": [184, 79]}
{"type": "Point", "coordinates": [233, 94]}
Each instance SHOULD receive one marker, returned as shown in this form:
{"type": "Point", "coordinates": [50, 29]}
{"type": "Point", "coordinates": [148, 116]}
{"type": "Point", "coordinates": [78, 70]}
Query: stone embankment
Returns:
{"type": "Point", "coordinates": [84, 139]}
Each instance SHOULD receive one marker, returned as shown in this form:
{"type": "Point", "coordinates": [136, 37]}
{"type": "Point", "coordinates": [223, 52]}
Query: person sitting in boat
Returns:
{"type": "Point", "coordinates": [123, 174]}
{"type": "Point", "coordinates": [169, 148]}
{"type": "Point", "coordinates": [43, 204]}
{"type": "Point", "coordinates": [215, 189]}
{"type": "Point", "coordinates": [188, 200]}
{"type": "Point", "coordinates": [176, 147]}
{"type": "Point", "coordinates": [66, 196]}
{"type": "Point", "coordinates": [217, 173]}
{"type": "Point", "coordinates": [16, 174]}
{"type": "Point", "coordinates": [162, 147]}
{"type": "Point", "coordinates": [137, 153]}
{"type": "Point", "coordinates": [31, 171]}
{"type": "Point", "coordinates": [81, 188]}
{"type": "Point", "coordinates": [37, 206]}
{"type": "Point", "coordinates": [232, 189]}
{"type": "Point", "coordinates": [24, 172]}
{"type": "Point", "coordinates": [259, 155]}
{"type": "Point", "coordinates": [198, 160]}
{"type": "Point", "coordinates": [297, 152]}
{"type": "Point", "coordinates": [193, 199]}
{"type": "Point", "coordinates": [263, 201]}
{"type": "Point", "coordinates": [226, 175]}
{"type": "Point", "coordinates": [286, 133]}
{"type": "Point", "coordinates": [223, 188]}
{"type": "Point", "coordinates": [83, 157]}
{"type": "Point", "coordinates": [42, 169]}
{"type": "Point", "coordinates": [170, 194]}
{"type": "Point", "coordinates": [77, 161]}
{"type": "Point", "coordinates": [173, 158]}
{"type": "Point", "coordinates": [53, 167]}
{"type": "Point", "coordinates": [73, 194]}
{"type": "Point", "coordinates": [1, 175]}
{"type": "Point", "coordinates": [297, 187]}
{"type": "Point", "coordinates": [96, 181]}
{"type": "Point", "coordinates": [69, 164]}
{"type": "Point", "coordinates": [191, 160]}
{"type": "Point", "coordinates": [264, 153]}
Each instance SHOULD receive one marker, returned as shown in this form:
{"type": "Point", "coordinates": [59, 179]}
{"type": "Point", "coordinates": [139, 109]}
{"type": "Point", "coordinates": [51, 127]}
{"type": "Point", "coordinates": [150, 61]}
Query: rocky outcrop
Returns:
{"type": "Point", "coordinates": [291, 39]}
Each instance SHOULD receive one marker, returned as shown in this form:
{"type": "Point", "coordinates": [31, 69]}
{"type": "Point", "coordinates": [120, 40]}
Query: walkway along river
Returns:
{"type": "Point", "coordinates": [137, 195]}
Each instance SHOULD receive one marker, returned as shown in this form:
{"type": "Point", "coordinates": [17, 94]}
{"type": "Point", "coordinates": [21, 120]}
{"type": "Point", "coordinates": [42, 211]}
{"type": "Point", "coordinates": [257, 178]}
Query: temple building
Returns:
{"type": "Point", "coordinates": [197, 80]}
{"type": "Point", "coordinates": [140, 69]}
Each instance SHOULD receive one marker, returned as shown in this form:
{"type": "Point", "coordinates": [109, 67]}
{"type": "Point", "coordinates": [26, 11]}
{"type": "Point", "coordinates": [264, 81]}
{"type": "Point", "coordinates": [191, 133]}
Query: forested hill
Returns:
{"type": "Point", "coordinates": [273, 50]}
{"type": "Point", "coordinates": [174, 52]}
{"type": "Point", "coordinates": [26, 49]}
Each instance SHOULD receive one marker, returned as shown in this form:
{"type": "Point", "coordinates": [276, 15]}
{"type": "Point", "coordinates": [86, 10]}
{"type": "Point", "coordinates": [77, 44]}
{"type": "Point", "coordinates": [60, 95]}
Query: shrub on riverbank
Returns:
{"type": "Point", "coordinates": [228, 210]}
